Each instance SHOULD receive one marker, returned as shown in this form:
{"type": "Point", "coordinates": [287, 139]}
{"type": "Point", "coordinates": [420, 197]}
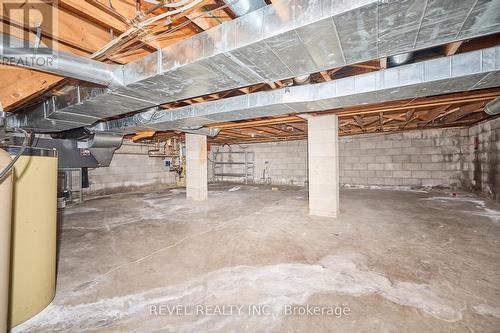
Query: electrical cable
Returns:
{"type": "Point", "coordinates": [28, 137]}
{"type": "Point", "coordinates": [153, 38]}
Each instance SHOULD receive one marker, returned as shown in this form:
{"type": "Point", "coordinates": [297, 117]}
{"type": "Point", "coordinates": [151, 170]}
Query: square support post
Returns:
{"type": "Point", "coordinates": [196, 167]}
{"type": "Point", "coordinates": [323, 159]}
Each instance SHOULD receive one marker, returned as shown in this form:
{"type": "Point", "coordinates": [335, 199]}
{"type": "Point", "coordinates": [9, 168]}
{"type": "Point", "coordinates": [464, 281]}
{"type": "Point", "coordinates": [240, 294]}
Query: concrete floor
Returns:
{"type": "Point", "coordinates": [394, 261]}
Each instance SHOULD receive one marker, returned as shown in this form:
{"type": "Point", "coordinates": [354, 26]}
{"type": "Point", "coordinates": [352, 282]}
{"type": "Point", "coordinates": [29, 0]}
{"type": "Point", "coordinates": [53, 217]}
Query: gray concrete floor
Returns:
{"type": "Point", "coordinates": [394, 261]}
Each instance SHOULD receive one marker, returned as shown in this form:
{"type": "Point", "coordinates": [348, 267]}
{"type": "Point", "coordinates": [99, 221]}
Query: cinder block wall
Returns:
{"type": "Point", "coordinates": [284, 162]}
{"type": "Point", "coordinates": [437, 157]}
{"type": "Point", "coordinates": [131, 169]}
{"type": "Point", "coordinates": [411, 159]}
{"type": "Point", "coordinates": [484, 173]}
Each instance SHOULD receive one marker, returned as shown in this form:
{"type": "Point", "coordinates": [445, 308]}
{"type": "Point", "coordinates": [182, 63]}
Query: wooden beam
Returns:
{"type": "Point", "coordinates": [326, 76]}
{"type": "Point", "coordinates": [92, 13]}
{"type": "Point", "coordinates": [383, 63]}
{"type": "Point", "coordinates": [433, 114]}
{"type": "Point", "coordinates": [359, 121]}
{"type": "Point", "coordinates": [364, 66]}
{"type": "Point", "coordinates": [110, 11]}
{"type": "Point", "coordinates": [452, 48]}
{"type": "Point", "coordinates": [142, 135]}
{"type": "Point", "coordinates": [295, 127]}
{"type": "Point", "coordinates": [18, 84]}
{"type": "Point", "coordinates": [423, 103]}
{"type": "Point", "coordinates": [409, 117]}
{"type": "Point", "coordinates": [273, 126]}
{"type": "Point", "coordinates": [245, 90]}
{"type": "Point", "coordinates": [72, 29]}
{"type": "Point", "coordinates": [463, 111]}
{"type": "Point", "coordinates": [253, 123]}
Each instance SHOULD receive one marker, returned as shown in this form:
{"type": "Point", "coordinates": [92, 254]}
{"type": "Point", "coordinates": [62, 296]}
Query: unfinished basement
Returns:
{"type": "Point", "coordinates": [249, 166]}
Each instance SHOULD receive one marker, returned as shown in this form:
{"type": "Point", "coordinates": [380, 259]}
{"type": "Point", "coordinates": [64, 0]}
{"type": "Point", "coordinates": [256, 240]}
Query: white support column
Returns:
{"type": "Point", "coordinates": [196, 167]}
{"type": "Point", "coordinates": [323, 157]}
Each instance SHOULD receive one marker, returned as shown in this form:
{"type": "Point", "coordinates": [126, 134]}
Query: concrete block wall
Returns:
{"type": "Point", "coordinates": [484, 173]}
{"type": "Point", "coordinates": [436, 157]}
{"type": "Point", "coordinates": [285, 162]}
{"type": "Point", "coordinates": [131, 169]}
{"type": "Point", "coordinates": [467, 158]}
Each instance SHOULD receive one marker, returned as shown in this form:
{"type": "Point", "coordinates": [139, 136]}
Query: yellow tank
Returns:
{"type": "Point", "coordinates": [5, 223]}
{"type": "Point", "coordinates": [34, 225]}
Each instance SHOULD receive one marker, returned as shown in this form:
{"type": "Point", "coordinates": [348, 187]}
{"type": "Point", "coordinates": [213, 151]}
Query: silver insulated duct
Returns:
{"type": "Point", "coordinates": [493, 107]}
{"type": "Point", "coordinates": [287, 39]}
{"type": "Point", "coordinates": [462, 72]}
{"type": "Point", "coordinates": [59, 63]}
{"type": "Point", "coordinates": [243, 7]}
{"type": "Point", "coordinates": [400, 59]}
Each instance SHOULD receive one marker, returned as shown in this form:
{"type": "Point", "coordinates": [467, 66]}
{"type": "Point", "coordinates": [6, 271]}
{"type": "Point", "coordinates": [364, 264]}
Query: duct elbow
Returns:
{"type": "Point", "coordinates": [243, 7]}
{"type": "Point", "coordinates": [400, 59]}
{"type": "Point", "coordinates": [493, 107]}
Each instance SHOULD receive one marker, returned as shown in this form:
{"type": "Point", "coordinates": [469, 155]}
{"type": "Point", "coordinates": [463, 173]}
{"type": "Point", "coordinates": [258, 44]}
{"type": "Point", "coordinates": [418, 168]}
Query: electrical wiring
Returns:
{"type": "Point", "coordinates": [28, 137]}
{"type": "Point", "coordinates": [142, 25]}
{"type": "Point", "coordinates": [153, 38]}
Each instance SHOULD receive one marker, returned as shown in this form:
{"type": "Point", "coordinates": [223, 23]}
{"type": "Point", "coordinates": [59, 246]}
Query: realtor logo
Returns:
{"type": "Point", "coordinates": [27, 26]}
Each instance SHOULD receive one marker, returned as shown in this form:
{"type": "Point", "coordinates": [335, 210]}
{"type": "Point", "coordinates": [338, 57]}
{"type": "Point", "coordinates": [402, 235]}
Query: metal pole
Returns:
{"type": "Point", "coordinates": [246, 167]}
{"type": "Point", "coordinates": [80, 199]}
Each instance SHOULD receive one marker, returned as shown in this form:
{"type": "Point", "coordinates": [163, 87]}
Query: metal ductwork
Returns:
{"type": "Point", "coordinates": [59, 63]}
{"type": "Point", "coordinates": [303, 79]}
{"type": "Point", "coordinates": [243, 7]}
{"type": "Point", "coordinates": [93, 151]}
{"type": "Point", "coordinates": [210, 132]}
{"type": "Point", "coordinates": [493, 107]}
{"type": "Point", "coordinates": [462, 72]}
{"type": "Point", "coordinates": [400, 59]}
{"type": "Point", "coordinates": [288, 39]}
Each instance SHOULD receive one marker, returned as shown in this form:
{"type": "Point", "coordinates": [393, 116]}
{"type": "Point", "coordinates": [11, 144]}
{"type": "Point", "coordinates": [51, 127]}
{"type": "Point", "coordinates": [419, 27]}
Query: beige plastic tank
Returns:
{"type": "Point", "coordinates": [34, 219]}
{"type": "Point", "coordinates": [5, 223]}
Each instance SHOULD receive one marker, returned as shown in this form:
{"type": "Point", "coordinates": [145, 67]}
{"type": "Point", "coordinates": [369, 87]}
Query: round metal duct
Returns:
{"type": "Point", "coordinates": [242, 7]}
{"type": "Point", "coordinates": [400, 59]}
{"type": "Point", "coordinates": [303, 79]}
{"type": "Point", "coordinates": [493, 107]}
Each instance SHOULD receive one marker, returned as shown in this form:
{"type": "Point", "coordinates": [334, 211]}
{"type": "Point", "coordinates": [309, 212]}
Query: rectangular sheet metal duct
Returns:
{"type": "Point", "coordinates": [287, 39]}
{"type": "Point", "coordinates": [462, 72]}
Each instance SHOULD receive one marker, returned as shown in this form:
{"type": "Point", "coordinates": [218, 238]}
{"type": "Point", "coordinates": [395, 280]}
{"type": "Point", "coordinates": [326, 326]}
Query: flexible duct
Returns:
{"type": "Point", "coordinates": [303, 79]}
{"type": "Point", "coordinates": [242, 7]}
{"type": "Point", "coordinates": [493, 107]}
{"type": "Point", "coordinates": [400, 59]}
